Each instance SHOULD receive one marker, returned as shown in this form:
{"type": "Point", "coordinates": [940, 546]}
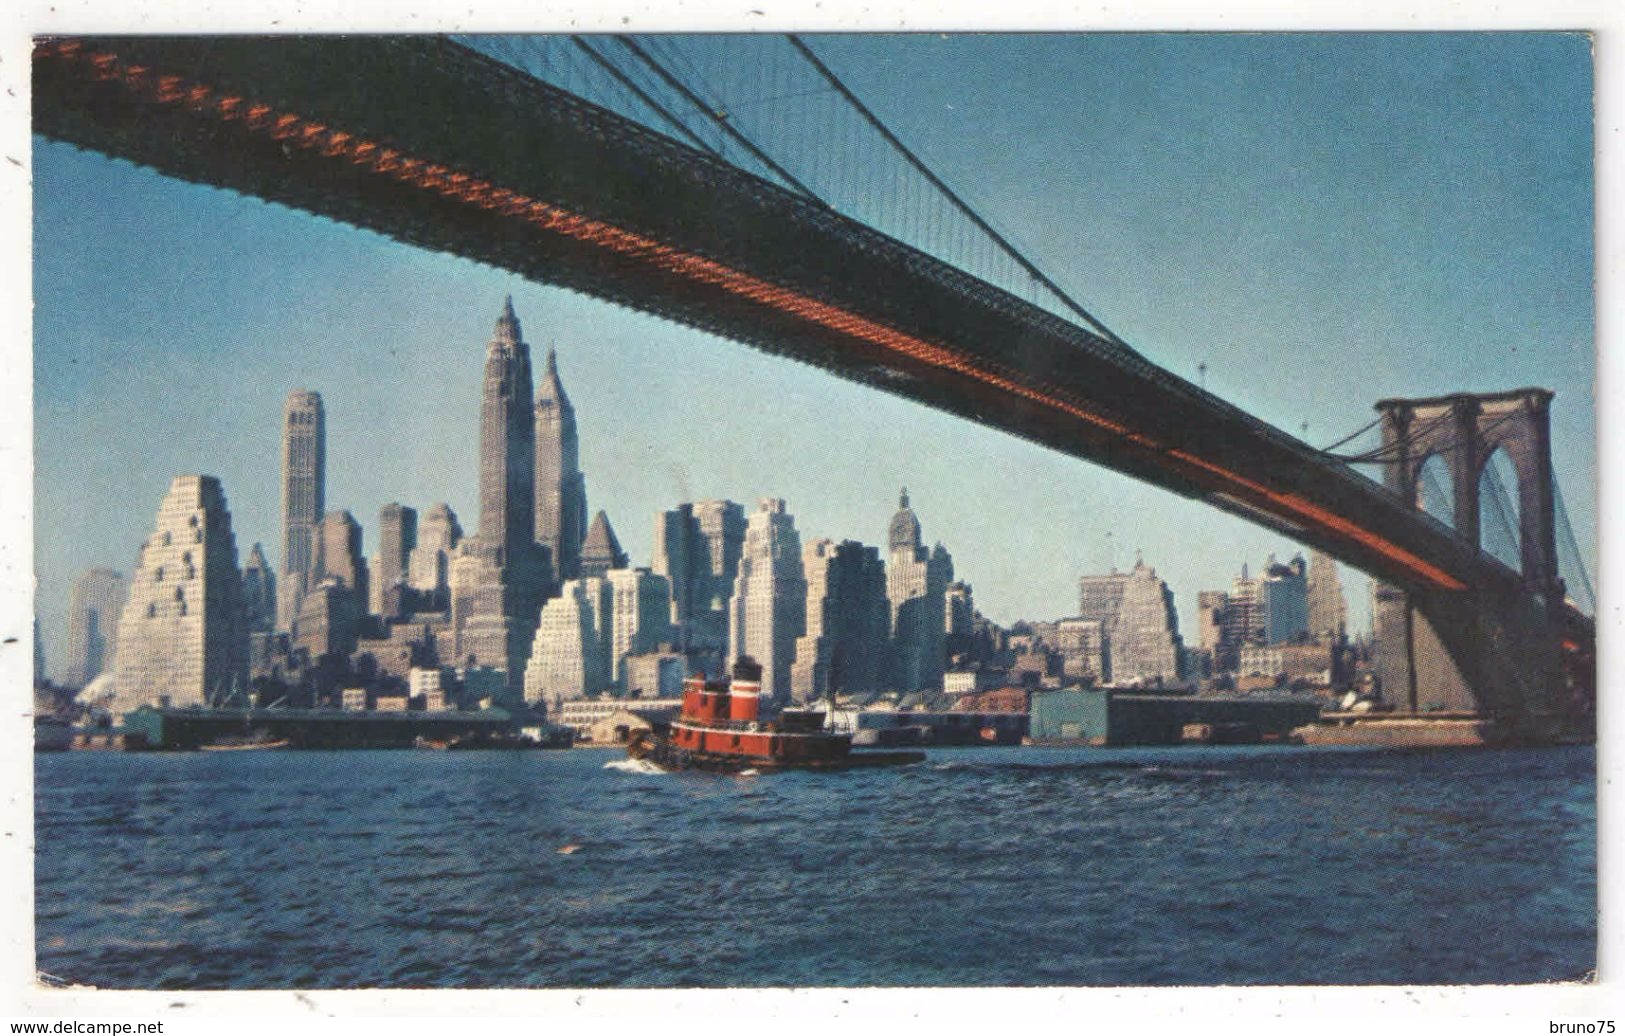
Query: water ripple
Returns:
{"type": "Point", "coordinates": [984, 866]}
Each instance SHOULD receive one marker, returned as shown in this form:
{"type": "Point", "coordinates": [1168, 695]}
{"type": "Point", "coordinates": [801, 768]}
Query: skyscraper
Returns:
{"type": "Point", "coordinates": [917, 587]}
{"type": "Point", "coordinates": [1145, 644]}
{"type": "Point", "coordinates": [769, 606]}
{"type": "Point", "coordinates": [1286, 600]}
{"type": "Point", "coordinates": [601, 551]}
{"type": "Point", "coordinates": [568, 659]}
{"type": "Point", "coordinates": [507, 443]}
{"type": "Point", "coordinates": [1137, 619]}
{"type": "Point", "coordinates": [94, 603]}
{"type": "Point", "coordinates": [1211, 608]}
{"type": "Point", "coordinates": [181, 636]}
{"type": "Point", "coordinates": [1101, 597]}
{"type": "Point", "coordinates": [722, 523]}
{"type": "Point", "coordinates": [259, 593]}
{"type": "Point", "coordinates": [430, 567]}
{"type": "Point", "coordinates": [397, 535]}
{"type": "Point", "coordinates": [1244, 614]}
{"type": "Point", "coordinates": [503, 575]}
{"type": "Point", "coordinates": [561, 491]}
{"type": "Point", "coordinates": [338, 554]}
{"type": "Point", "coordinates": [1328, 609]}
{"type": "Point", "coordinates": [304, 478]}
{"type": "Point", "coordinates": [639, 618]}
{"type": "Point", "coordinates": [1270, 609]}
{"type": "Point", "coordinates": [703, 539]}
{"type": "Point", "coordinates": [848, 621]}
{"type": "Point", "coordinates": [682, 556]}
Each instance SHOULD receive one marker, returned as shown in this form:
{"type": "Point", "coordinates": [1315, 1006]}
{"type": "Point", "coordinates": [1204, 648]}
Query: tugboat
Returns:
{"type": "Point", "coordinates": [721, 728]}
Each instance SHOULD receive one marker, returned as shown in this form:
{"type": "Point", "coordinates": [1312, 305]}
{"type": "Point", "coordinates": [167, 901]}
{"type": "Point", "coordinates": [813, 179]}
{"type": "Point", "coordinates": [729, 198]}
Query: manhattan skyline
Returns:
{"type": "Point", "coordinates": [180, 365]}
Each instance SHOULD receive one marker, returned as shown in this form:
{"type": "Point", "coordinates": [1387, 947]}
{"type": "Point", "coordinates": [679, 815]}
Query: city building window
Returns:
{"type": "Point", "coordinates": [158, 574]}
{"type": "Point", "coordinates": [152, 611]}
{"type": "Point", "coordinates": [166, 539]}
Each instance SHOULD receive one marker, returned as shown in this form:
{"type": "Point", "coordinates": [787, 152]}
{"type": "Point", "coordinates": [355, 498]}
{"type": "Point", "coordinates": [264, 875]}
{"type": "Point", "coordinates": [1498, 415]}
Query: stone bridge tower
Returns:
{"type": "Point", "coordinates": [1417, 670]}
{"type": "Point", "coordinates": [1464, 431]}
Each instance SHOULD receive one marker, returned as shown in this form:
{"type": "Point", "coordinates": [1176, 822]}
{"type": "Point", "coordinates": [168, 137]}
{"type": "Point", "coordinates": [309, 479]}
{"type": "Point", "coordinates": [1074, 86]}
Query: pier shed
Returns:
{"type": "Point", "coordinates": [1104, 716]}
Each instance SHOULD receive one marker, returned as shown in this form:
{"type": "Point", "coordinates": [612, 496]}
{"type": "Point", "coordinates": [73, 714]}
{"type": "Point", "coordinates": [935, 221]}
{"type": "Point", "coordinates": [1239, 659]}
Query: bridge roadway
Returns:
{"type": "Point", "coordinates": [438, 146]}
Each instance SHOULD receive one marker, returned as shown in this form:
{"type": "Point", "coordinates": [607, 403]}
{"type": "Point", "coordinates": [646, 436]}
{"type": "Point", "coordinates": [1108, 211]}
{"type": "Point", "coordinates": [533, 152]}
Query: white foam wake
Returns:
{"type": "Point", "coordinates": [633, 766]}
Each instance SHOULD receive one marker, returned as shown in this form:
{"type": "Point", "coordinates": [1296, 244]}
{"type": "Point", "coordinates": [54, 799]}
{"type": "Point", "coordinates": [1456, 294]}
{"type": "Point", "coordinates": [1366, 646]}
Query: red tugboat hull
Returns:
{"type": "Point", "coordinates": [721, 729]}
{"type": "Point", "coordinates": [663, 753]}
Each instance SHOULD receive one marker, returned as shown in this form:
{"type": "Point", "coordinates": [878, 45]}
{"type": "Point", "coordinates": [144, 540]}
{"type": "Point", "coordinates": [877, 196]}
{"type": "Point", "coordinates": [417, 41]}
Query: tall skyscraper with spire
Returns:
{"type": "Point", "coordinates": [917, 587]}
{"type": "Point", "coordinates": [561, 491]}
{"type": "Point", "coordinates": [504, 575]}
{"type": "Point", "coordinates": [507, 452]}
{"type": "Point", "coordinates": [259, 592]}
{"type": "Point", "coordinates": [304, 478]}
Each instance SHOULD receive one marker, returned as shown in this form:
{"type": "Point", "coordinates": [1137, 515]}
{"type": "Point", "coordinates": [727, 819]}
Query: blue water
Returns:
{"type": "Point", "coordinates": [1012, 866]}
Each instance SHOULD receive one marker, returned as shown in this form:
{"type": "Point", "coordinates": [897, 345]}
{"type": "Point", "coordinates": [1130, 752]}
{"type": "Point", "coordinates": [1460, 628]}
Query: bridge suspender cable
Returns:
{"type": "Point", "coordinates": [958, 202]}
{"type": "Point", "coordinates": [1568, 548]}
{"type": "Point", "coordinates": [698, 102]}
{"type": "Point", "coordinates": [644, 96]}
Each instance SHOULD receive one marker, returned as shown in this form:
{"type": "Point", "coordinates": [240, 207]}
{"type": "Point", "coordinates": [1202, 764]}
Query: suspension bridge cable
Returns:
{"type": "Point", "coordinates": [1435, 500]}
{"type": "Point", "coordinates": [719, 118]}
{"type": "Point", "coordinates": [1387, 453]}
{"type": "Point", "coordinates": [946, 191]}
{"type": "Point", "coordinates": [1573, 546]}
{"type": "Point", "coordinates": [1500, 506]}
{"type": "Point", "coordinates": [1354, 435]}
{"type": "Point", "coordinates": [644, 96]}
{"type": "Point", "coordinates": [1400, 444]}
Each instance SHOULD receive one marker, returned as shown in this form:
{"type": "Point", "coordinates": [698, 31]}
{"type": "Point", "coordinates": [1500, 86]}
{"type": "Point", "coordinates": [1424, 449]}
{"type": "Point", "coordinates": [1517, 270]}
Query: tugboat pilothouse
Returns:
{"type": "Point", "coordinates": [722, 727]}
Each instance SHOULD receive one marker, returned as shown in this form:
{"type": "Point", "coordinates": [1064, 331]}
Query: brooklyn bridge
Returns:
{"type": "Point", "coordinates": [597, 164]}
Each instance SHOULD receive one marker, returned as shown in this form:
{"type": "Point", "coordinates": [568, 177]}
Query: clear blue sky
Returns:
{"type": "Point", "coordinates": [1323, 220]}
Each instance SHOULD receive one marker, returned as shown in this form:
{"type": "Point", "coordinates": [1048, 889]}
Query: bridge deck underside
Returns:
{"type": "Point", "coordinates": [434, 145]}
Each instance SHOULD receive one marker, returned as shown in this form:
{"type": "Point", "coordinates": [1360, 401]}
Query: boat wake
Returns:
{"type": "Point", "coordinates": [633, 766]}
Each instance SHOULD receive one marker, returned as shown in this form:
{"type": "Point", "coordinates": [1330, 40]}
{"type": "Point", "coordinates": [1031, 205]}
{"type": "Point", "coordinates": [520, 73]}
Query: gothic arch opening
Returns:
{"type": "Point", "coordinates": [1499, 514]}
{"type": "Point", "coordinates": [1435, 489]}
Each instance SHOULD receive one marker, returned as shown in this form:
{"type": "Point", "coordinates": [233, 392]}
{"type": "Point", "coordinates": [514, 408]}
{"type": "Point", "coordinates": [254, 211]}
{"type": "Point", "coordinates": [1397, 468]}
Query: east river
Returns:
{"type": "Point", "coordinates": [996, 866]}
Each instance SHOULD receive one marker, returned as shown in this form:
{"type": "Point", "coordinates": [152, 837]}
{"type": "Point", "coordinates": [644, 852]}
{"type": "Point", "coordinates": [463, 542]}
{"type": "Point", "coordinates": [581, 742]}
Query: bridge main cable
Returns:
{"type": "Point", "coordinates": [963, 206]}
{"type": "Point", "coordinates": [698, 102]}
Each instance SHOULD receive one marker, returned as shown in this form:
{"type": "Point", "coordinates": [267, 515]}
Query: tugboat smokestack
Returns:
{"type": "Point", "coordinates": [744, 705]}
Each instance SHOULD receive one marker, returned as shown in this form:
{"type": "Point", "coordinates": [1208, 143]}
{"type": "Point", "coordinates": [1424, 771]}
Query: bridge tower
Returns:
{"type": "Point", "coordinates": [1432, 653]}
{"type": "Point", "coordinates": [1465, 431]}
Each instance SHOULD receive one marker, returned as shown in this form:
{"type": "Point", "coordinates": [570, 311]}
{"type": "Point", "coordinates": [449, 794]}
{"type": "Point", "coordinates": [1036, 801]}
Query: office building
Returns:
{"type": "Point", "coordinates": [561, 490]}
{"type": "Point", "coordinates": [429, 568]}
{"type": "Point", "coordinates": [304, 480]}
{"type": "Point", "coordinates": [768, 610]}
{"type": "Point", "coordinates": [391, 567]}
{"type": "Point", "coordinates": [94, 603]}
{"type": "Point", "coordinates": [848, 625]}
{"type": "Point", "coordinates": [502, 576]}
{"type": "Point", "coordinates": [917, 587]}
{"type": "Point", "coordinates": [639, 617]}
{"type": "Point", "coordinates": [259, 593]}
{"type": "Point", "coordinates": [181, 637]}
